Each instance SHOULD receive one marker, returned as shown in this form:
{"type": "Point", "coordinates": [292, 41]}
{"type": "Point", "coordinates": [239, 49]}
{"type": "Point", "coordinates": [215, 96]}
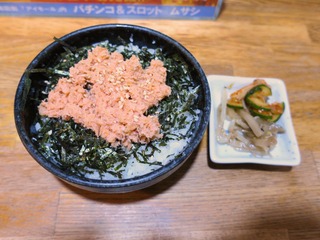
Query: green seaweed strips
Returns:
{"type": "Point", "coordinates": [79, 151]}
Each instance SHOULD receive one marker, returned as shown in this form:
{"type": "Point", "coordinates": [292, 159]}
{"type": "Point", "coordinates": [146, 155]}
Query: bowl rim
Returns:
{"type": "Point", "coordinates": [129, 184]}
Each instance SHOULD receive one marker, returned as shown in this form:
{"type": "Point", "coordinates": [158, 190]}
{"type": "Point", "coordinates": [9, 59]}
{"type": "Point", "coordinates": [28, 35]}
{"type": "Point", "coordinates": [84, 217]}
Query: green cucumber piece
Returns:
{"type": "Point", "coordinates": [234, 103]}
{"type": "Point", "coordinates": [277, 110]}
{"type": "Point", "coordinates": [257, 103]}
{"type": "Point", "coordinates": [261, 90]}
{"type": "Point", "coordinates": [256, 97]}
{"type": "Point", "coordinates": [267, 115]}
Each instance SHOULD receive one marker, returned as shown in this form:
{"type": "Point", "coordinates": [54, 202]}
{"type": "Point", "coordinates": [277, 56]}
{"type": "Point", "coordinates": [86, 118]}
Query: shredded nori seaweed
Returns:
{"type": "Point", "coordinates": [79, 151]}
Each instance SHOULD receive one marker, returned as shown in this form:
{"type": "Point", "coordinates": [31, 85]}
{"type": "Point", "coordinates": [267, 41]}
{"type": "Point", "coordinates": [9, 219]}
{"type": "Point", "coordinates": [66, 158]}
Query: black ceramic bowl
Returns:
{"type": "Point", "coordinates": [25, 109]}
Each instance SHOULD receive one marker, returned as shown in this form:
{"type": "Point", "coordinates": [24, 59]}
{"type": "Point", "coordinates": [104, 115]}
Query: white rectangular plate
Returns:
{"type": "Point", "coordinates": [286, 152]}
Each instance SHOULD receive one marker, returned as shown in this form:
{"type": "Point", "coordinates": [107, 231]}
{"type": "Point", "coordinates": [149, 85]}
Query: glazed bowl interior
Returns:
{"type": "Point", "coordinates": [25, 109]}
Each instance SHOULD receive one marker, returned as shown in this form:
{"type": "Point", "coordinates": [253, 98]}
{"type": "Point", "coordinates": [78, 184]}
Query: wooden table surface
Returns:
{"type": "Point", "coordinates": [253, 38]}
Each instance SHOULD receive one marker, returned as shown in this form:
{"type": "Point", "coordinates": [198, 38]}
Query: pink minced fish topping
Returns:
{"type": "Point", "coordinates": [110, 95]}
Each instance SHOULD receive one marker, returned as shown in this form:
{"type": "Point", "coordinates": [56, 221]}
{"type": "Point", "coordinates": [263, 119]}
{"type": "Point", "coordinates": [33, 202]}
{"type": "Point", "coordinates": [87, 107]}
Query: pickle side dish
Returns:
{"type": "Point", "coordinates": [252, 119]}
